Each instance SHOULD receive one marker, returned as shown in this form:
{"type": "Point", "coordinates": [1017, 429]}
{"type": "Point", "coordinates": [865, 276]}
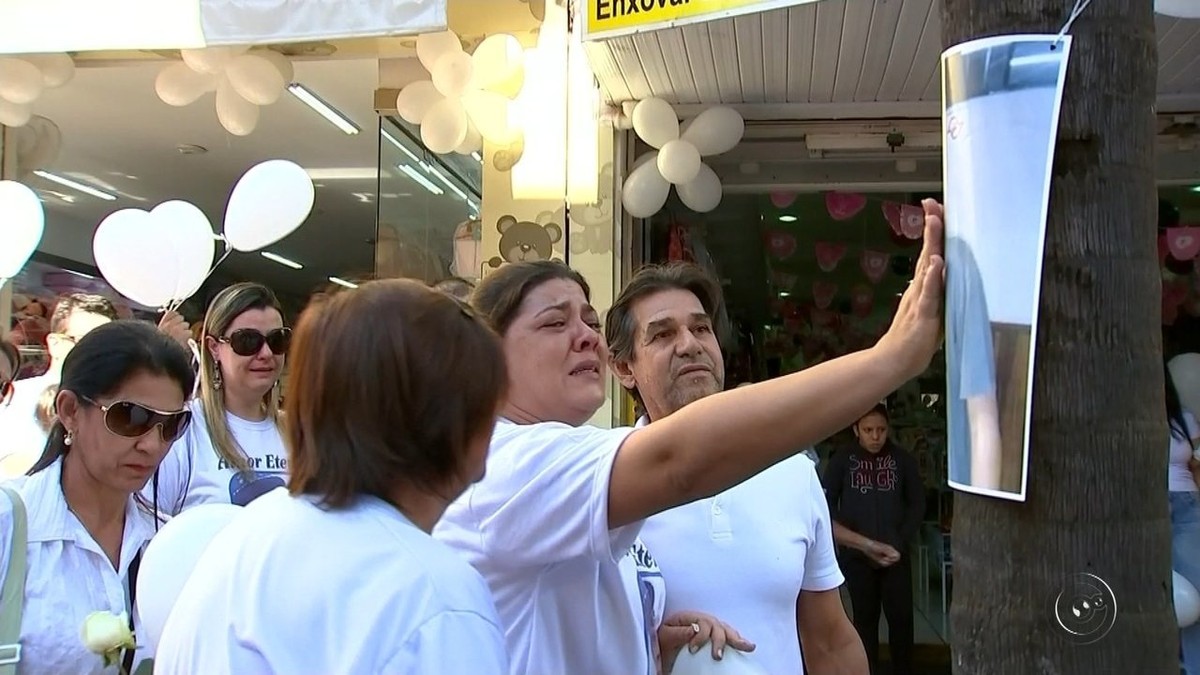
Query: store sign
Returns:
{"type": "Point", "coordinates": [611, 18]}
{"type": "Point", "coordinates": [54, 26]}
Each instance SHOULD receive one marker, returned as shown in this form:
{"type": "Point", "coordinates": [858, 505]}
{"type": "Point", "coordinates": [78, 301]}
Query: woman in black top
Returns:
{"type": "Point", "coordinates": [876, 502]}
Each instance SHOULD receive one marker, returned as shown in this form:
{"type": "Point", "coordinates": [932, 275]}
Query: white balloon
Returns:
{"type": "Point", "coordinates": [179, 85]}
{"type": "Point", "coordinates": [1187, 600]}
{"type": "Point", "coordinates": [255, 79]}
{"type": "Point", "coordinates": [137, 257]}
{"type": "Point", "coordinates": [1183, 9]}
{"type": "Point", "coordinates": [236, 114]}
{"type": "Point", "coordinates": [20, 81]}
{"type": "Point", "coordinates": [14, 114]}
{"type": "Point", "coordinates": [702, 663]}
{"type": "Point", "coordinates": [472, 143]}
{"type": "Point", "coordinates": [209, 61]}
{"type": "Point", "coordinates": [37, 144]}
{"type": "Point", "coordinates": [645, 190]}
{"type": "Point", "coordinates": [192, 235]}
{"type": "Point", "coordinates": [452, 74]}
{"type": "Point", "coordinates": [715, 131]}
{"type": "Point", "coordinates": [490, 113]}
{"type": "Point", "coordinates": [24, 221]}
{"type": "Point", "coordinates": [1185, 373]}
{"type": "Point", "coordinates": [678, 161]}
{"type": "Point", "coordinates": [432, 46]}
{"type": "Point", "coordinates": [703, 193]}
{"type": "Point", "coordinates": [445, 126]}
{"type": "Point", "coordinates": [499, 64]}
{"type": "Point", "coordinates": [168, 562]}
{"type": "Point", "coordinates": [268, 203]}
{"type": "Point", "coordinates": [415, 100]}
{"type": "Point", "coordinates": [655, 122]}
{"type": "Point", "coordinates": [282, 63]}
{"type": "Point", "coordinates": [57, 69]}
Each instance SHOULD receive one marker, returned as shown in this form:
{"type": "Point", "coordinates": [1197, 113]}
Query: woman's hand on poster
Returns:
{"type": "Point", "coordinates": [916, 329]}
{"type": "Point", "coordinates": [695, 629]}
{"type": "Point", "coordinates": [173, 326]}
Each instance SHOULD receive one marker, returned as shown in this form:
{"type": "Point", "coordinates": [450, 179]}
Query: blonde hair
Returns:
{"type": "Point", "coordinates": [229, 304]}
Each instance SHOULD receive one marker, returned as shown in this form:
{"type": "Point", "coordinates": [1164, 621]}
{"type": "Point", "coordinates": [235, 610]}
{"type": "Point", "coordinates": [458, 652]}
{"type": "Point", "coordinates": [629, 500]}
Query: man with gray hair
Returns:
{"type": "Point", "coordinates": [759, 555]}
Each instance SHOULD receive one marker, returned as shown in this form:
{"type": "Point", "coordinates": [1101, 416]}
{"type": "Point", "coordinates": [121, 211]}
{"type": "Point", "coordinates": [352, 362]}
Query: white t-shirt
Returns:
{"type": "Point", "coordinates": [68, 575]}
{"type": "Point", "coordinates": [208, 477]}
{"type": "Point", "coordinates": [290, 587]}
{"type": "Point", "coordinates": [19, 428]}
{"type": "Point", "coordinates": [1179, 477]}
{"type": "Point", "coordinates": [573, 595]}
{"type": "Point", "coordinates": [745, 555]}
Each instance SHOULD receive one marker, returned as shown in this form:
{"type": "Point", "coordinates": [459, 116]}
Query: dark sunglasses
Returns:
{"type": "Point", "coordinates": [248, 342]}
{"type": "Point", "coordinates": [134, 420]}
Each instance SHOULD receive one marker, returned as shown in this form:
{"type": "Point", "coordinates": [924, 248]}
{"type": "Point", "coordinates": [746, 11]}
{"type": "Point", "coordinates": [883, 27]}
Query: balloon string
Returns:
{"type": "Point", "coordinates": [174, 305]}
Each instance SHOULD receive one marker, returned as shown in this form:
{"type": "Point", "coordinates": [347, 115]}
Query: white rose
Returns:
{"type": "Point", "coordinates": [105, 633]}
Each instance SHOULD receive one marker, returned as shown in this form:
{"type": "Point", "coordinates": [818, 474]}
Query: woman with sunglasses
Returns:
{"type": "Point", "coordinates": [235, 452]}
{"type": "Point", "coordinates": [120, 405]}
{"type": "Point", "coordinates": [338, 573]}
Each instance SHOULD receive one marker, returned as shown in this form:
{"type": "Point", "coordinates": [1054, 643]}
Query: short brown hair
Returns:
{"type": "Point", "coordinates": [619, 323]}
{"type": "Point", "coordinates": [80, 302]}
{"type": "Point", "coordinates": [499, 296]}
{"type": "Point", "coordinates": [388, 385]}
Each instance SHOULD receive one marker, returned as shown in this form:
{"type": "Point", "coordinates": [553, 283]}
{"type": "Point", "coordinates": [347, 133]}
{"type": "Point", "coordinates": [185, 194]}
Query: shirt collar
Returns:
{"type": "Point", "coordinates": [51, 520]}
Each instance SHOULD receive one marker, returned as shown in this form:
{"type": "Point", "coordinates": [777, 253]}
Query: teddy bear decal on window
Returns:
{"type": "Point", "coordinates": [522, 240]}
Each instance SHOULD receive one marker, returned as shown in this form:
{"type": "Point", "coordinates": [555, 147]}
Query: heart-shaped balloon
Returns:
{"type": "Point", "coordinates": [844, 205]}
{"type": "Point", "coordinates": [829, 255]}
{"type": "Point", "coordinates": [1183, 242]}
{"type": "Point", "coordinates": [268, 203]}
{"type": "Point", "coordinates": [874, 265]}
{"type": "Point", "coordinates": [823, 293]}
{"type": "Point", "coordinates": [137, 256]}
{"type": "Point", "coordinates": [781, 244]}
{"type": "Point", "coordinates": [891, 212]}
{"type": "Point", "coordinates": [23, 220]}
{"type": "Point", "coordinates": [912, 221]}
{"type": "Point", "coordinates": [193, 240]}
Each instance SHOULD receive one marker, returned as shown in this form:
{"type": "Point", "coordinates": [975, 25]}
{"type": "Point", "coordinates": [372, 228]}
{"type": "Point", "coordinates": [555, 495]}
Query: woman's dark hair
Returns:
{"type": "Point", "coordinates": [499, 296]}
{"type": "Point", "coordinates": [389, 383]}
{"type": "Point", "coordinates": [1175, 420]}
{"type": "Point", "coordinates": [104, 359]}
{"type": "Point", "coordinates": [878, 409]}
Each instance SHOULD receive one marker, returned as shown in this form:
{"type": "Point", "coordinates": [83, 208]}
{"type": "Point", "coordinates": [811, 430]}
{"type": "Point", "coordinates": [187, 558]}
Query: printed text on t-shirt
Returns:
{"type": "Point", "coordinates": [874, 473]}
{"type": "Point", "coordinates": [265, 463]}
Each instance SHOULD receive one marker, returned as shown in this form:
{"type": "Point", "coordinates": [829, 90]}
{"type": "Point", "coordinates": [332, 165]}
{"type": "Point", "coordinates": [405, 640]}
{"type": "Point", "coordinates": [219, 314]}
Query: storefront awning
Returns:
{"type": "Point", "coordinates": [48, 26]}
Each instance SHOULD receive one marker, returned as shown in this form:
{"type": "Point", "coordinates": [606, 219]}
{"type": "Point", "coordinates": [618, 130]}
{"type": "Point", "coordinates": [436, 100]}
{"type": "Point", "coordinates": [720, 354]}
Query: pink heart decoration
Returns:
{"type": "Point", "coordinates": [862, 300]}
{"type": "Point", "coordinates": [823, 293]}
{"type": "Point", "coordinates": [784, 281]}
{"type": "Point", "coordinates": [829, 255]}
{"type": "Point", "coordinates": [891, 212]}
{"type": "Point", "coordinates": [844, 205]}
{"type": "Point", "coordinates": [782, 200]}
{"type": "Point", "coordinates": [781, 245]}
{"type": "Point", "coordinates": [912, 221]}
{"type": "Point", "coordinates": [874, 265]}
{"type": "Point", "coordinates": [1183, 242]}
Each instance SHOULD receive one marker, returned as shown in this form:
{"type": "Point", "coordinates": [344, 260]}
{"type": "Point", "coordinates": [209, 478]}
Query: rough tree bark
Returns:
{"type": "Point", "coordinates": [1097, 484]}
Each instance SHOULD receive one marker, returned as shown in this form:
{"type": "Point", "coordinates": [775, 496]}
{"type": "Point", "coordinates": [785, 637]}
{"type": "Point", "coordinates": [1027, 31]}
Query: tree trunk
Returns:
{"type": "Point", "coordinates": [1097, 500]}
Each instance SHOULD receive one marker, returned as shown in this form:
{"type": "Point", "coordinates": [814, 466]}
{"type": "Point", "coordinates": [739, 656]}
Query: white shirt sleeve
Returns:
{"type": "Point", "coordinates": [452, 642]}
{"type": "Point", "coordinates": [821, 570]}
{"type": "Point", "coordinates": [546, 500]}
{"type": "Point", "coordinates": [6, 533]}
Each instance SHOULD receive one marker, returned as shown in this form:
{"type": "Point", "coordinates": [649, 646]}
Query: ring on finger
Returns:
{"type": "Point", "coordinates": [695, 627]}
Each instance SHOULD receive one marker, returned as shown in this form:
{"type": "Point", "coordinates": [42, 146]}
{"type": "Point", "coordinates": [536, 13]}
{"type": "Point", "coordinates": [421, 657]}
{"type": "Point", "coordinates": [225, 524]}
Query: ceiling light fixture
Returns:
{"type": "Point", "coordinates": [420, 180]}
{"type": "Point", "coordinates": [787, 219]}
{"type": "Point", "coordinates": [342, 282]}
{"type": "Point", "coordinates": [1196, 189]}
{"type": "Point", "coordinates": [323, 109]}
{"type": "Point", "coordinates": [392, 139]}
{"type": "Point", "coordinates": [343, 173]}
{"type": "Point", "coordinates": [78, 274]}
{"type": "Point", "coordinates": [74, 185]}
{"type": "Point", "coordinates": [440, 176]}
{"type": "Point", "coordinates": [282, 260]}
